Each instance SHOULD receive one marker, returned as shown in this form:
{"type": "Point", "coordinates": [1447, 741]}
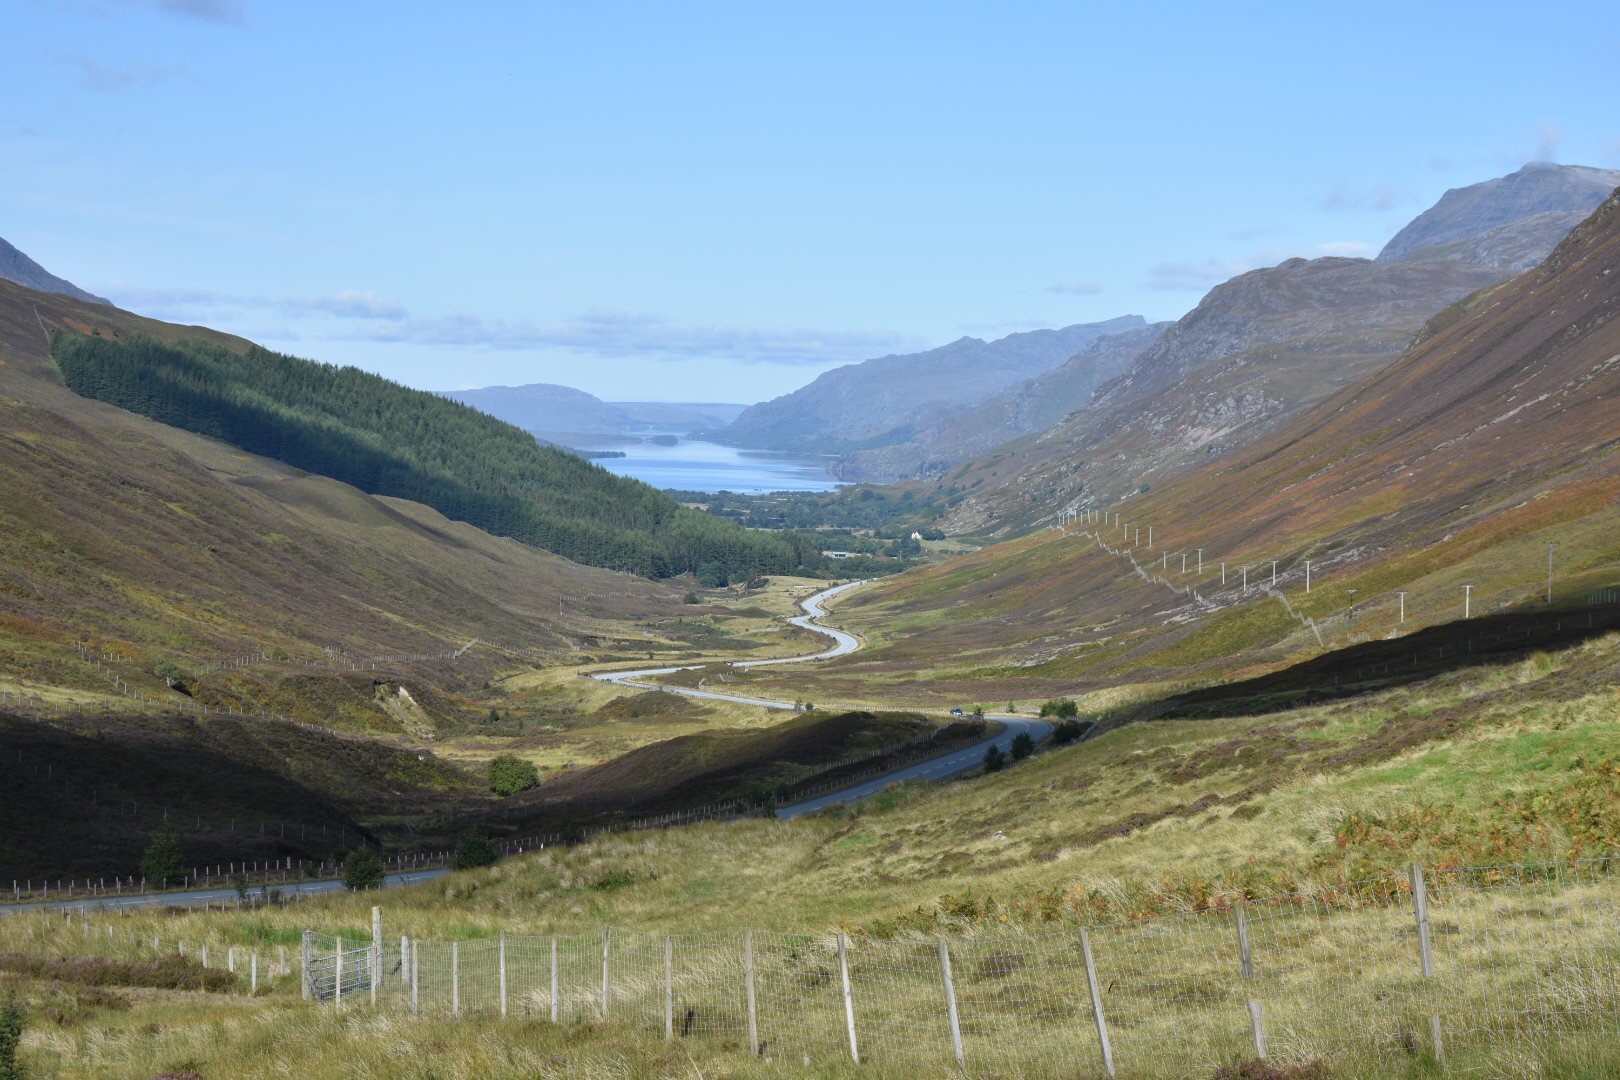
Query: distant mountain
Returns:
{"type": "Point", "coordinates": [546, 409]}
{"type": "Point", "coordinates": [679, 415]}
{"type": "Point", "coordinates": [17, 267]}
{"type": "Point", "coordinates": [1030, 406]}
{"type": "Point", "coordinates": [557, 412]}
{"type": "Point", "coordinates": [1262, 348]}
{"type": "Point", "coordinates": [890, 399]}
{"type": "Point", "coordinates": [1541, 200]}
{"type": "Point", "coordinates": [1494, 434]}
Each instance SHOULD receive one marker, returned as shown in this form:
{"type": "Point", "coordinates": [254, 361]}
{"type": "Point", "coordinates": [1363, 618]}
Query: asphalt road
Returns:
{"type": "Point", "coordinates": [814, 608]}
{"type": "Point", "coordinates": [939, 768]}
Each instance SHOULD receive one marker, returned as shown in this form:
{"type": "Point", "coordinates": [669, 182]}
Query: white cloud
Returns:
{"type": "Point", "coordinates": [1377, 199]}
{"type": "Point", "coordinates": [1078, 288]}
{"type": "Point", "coordinates": [626, 334]}
{"type": "Point", "coordinates": [98, 76]}
{"type": "Point", "coordinates": [352, 304]}
{"type": "Point", "coordinates": [1548, 138]}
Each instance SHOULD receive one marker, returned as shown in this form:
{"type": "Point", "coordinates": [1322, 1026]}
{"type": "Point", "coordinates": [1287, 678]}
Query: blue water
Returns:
{"type": "Point", "coordinates": [695, 465]}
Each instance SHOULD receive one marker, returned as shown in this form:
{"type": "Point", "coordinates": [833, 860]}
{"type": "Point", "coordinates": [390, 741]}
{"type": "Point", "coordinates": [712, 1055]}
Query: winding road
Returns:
{"type": "Point", "coordinates": [939, 768]}
{"type": "Point", "coordinates": [844, 643]}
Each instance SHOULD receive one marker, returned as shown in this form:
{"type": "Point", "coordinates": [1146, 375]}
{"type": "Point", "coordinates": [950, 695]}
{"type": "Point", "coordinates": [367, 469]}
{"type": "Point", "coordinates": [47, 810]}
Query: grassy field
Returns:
{"type": "Point", "coordinates": [1506, 763]}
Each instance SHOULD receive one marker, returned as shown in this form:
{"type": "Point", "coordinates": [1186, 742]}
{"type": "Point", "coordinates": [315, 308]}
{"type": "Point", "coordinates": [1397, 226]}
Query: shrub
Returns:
{"type": "Point", "coordinates": [362, 870]}
{"type": "Point", "coordinates": [510, 774]}
{"type": "Point", "coordinates": [163, 861]}
{"type": "Point", "coordinates": [11, 1029]}
{"type": "Point", "coordinates": [1023, 745]}
{"type": "Point", "coordinates": [1060, 707]}
{"type": "Point", "coordinates": [994, 759]}
{"type": "Point", "coordinates": [472, 851]}
{"type": "Point", "coordinates": [1066, 731]}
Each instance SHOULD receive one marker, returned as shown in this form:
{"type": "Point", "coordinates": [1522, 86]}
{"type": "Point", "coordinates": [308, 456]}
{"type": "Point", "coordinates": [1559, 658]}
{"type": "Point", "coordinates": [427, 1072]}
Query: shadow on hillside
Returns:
{"type": "Point", "coordinates": [1380, 665]}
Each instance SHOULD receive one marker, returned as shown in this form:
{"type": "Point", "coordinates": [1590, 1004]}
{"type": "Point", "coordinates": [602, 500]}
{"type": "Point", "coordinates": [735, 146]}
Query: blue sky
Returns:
{"type": "Point", "coordinates": [717, 202]}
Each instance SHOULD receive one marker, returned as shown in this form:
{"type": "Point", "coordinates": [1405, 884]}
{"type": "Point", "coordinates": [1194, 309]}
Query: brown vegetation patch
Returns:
{"type": "Point", "coordinates": [170, 973]}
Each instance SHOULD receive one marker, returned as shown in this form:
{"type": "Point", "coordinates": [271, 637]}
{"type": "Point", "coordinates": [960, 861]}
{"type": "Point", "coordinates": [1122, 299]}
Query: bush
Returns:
{"type": "Point", "coordinates": [472, 851]}
{"type": "Point", "coordinates": [1060, 707]}
{"type": "Point", "coordinates": [510, 774]}
{"type": "Point", "coordinates": [1023, 745]}
{"type": "Point", "coordinates": [363, 869]}
{"type": "Point", "coordinates": [1066, 731]}
{"type": "Point", "coordinates": [163, 862]}
{"type": "Point", "coordinates": [994, 759]}
{"type": "Point", "coordinates": [11, 1029]}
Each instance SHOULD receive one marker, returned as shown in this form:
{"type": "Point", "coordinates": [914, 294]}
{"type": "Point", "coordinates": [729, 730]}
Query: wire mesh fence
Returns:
{"type": "Point", "coordinates": [1478, 965]}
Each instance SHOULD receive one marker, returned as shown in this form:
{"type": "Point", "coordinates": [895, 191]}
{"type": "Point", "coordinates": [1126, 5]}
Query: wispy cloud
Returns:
{"type": "Point", "coordinates": [612, 334]}
{"type": "Point", "coordinates": [1206, 274]}
{"type": "Point", "coordinates": [1077, 288]}
{"type": "Point", "coordinates": [1377, 199]}
{"type": "Point", "coordinates": [194, 303]}
{"type": "Point", "coordinates": [352, 304]}
{"type": "Point", "coordinates": [228, 12]}
{"type": "Point", "coordinates": [1548, 138]}
{"type": "Point", "coordinates": [98, 76]}
{"type": "Point", "coordinates": [364, 315]}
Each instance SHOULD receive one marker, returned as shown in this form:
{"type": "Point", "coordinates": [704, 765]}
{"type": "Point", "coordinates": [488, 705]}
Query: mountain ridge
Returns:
{"type": "Point", "coordinates": [17, 267]}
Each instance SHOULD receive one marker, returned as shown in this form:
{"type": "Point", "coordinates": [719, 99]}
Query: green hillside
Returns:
{"type": "Point", "coordinates": [387, 439]}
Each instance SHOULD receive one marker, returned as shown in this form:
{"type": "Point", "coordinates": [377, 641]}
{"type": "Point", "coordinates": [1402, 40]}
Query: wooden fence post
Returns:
{"type": "Point", "coordinates": [849, 1000]}
{"type": "Point", "coordinates": [337, 973]}
{"type": "Point", "coordinates": [404, 961]}
{"type": "Point", "coordinates": [1096, 1003]}
{"type": "Point", "coordinates": [1257, 1025]}
{"type": "Point", "coordinates": [376, 951]}
{"type": "Point", "coordinates": [500, 953]}
{"type": "Point", "coordinates": [748, 984]}
{"type": "Point", "coordinates": [555, 1009]}
{"type": "Point", "coordinates": [950, 1001]}
{"type": "Point", "coordinates": [306, 965]}
{"type": "Point", "coordinates": [416, 977]}
{"type": "Point", "coordinates": [455, 978]}
{"type": "Point", "coordinates": [669, 988]}
{"type": "Point", "coordinates": [253, 974]}
{"type": "Point", "coordinates": [607, 937]}
{"type": "Point", "coordinates": [1420, 908]}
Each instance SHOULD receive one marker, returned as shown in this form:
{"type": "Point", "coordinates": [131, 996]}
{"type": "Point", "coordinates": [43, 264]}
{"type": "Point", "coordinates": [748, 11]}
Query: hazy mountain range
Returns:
{"type": "Point", "coordinates": [558, 412]}
{"type": "Point", "coordinates": [891, 399]}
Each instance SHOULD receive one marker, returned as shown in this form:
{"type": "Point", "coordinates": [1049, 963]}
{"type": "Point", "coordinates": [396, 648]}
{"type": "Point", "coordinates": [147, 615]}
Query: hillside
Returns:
{"type": "Point", "coordinates": [1025, 408]}
{"type": "Point", "coordinates": [1493, 435]}
{"type": "Point", "coordinates": [1259, 350]}
{"type": "Point", "coordinates": [20, 269]}
{"type": "Point", "coordinates": [890, 399]}
{"type": "Point", "coordinates": [386, 439]}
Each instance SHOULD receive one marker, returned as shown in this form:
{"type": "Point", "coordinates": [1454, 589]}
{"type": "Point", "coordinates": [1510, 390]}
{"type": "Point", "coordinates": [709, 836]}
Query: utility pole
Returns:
{"type": "Point", "coordinates": [1150, 536]}
{"type": "Point", "coordinates": [1552, 545]}
{"type": "Point", "coordinates": [1402, 595]}
{"type": "Point", "coordinates": [1136, 536]}
{"type": "Point", "coordinates": [1273, 573]}
{"type": "Point", "coordinates": [1245, 579]}
{"type": "Point", "coordinates": [1183, 562]}
{"type": "Point", "coordinates": [1200, 560]}
{"type": "Point", "coordinates": [1307, 575]}
{"type": "Point", "coordinates": [1164, 560]}
{"type": "Point", "coordinates": [1468, 595]}
{"type": "Point", "coordinates": [1223, 571]}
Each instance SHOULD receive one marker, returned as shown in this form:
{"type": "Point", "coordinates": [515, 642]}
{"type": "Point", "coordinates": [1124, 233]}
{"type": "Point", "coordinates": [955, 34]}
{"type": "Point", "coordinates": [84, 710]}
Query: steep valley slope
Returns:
{"type": "Point", "coordinates": [1494, 434]}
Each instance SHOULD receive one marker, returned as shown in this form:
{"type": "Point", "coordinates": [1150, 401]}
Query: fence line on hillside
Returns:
{"type": "Point", "coordinates": [1483, 966]}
